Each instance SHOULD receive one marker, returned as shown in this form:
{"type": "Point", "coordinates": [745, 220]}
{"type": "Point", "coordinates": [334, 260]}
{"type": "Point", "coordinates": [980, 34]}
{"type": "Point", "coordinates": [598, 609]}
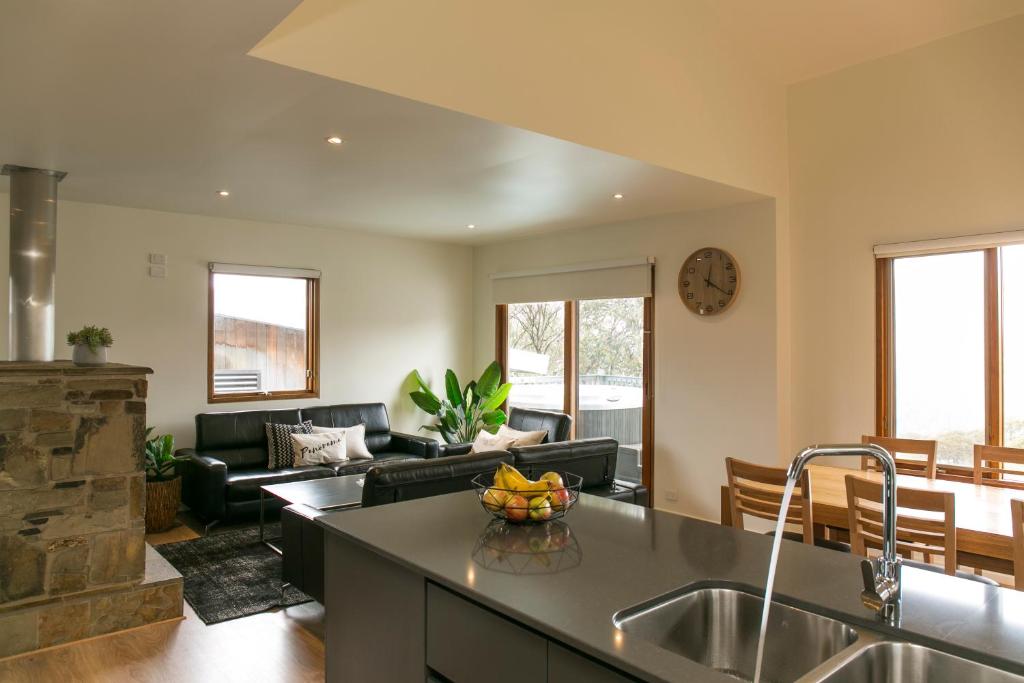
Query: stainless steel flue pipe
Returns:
{"type": "Point", "coordinates": [33, 261]}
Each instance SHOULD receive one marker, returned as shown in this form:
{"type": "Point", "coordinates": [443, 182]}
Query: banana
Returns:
{"type": "Point", "coordinates": [514, 478]}
{"type": "Point", "coordinates": [509, 478]}
{"type": "Point", "coordinates": [499, 478]}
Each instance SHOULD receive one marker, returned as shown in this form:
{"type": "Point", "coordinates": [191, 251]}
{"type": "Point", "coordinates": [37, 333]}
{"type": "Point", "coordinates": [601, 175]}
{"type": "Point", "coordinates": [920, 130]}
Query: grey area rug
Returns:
{"type": "Point", "coordinates": [231, 574]}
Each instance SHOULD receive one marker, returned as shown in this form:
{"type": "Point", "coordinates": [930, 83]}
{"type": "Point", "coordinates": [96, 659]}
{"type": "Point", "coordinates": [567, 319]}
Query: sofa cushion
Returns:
{"type": "Point", "coordinates": [373, 415]}
{"type": "Point", "coordinates": [239, 439]}
{"type": "Point", "coordinates": [591, 459]}
{"type": "Point", "coordinates": [245, 484]}
{"type": "Point", "coordinates": [428, 477]}
{"type": "Point", "coordinates": [557, 425]}
{"type": "Point", "coordinates": [360, 466]}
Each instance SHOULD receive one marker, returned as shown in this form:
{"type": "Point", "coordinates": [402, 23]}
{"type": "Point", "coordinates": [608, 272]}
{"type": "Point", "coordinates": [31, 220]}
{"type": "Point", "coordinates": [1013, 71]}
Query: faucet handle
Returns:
{"type": "Point", "coordinates": [881, 593]}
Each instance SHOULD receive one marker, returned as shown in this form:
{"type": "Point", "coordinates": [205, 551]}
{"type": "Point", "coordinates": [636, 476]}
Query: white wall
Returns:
{"type": "Point", "coordinates": [923, 144]}
{"type": "Point", "coordinates": [388, 305]}
{"type": "Point", "coordinates": [715, 378]}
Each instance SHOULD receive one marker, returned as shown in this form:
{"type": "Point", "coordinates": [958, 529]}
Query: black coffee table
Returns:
{"type": "Point", "coordinates": [333, 493]}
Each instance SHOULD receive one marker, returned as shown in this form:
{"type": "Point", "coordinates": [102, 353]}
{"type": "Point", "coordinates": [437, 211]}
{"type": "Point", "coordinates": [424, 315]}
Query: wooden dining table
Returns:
{"type": "Point", "coordinates": [984, 531]}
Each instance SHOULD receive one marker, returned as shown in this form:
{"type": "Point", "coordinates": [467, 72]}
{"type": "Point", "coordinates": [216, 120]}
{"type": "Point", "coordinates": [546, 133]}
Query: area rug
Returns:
{"type": "Point", "coordinates": [231, 574]}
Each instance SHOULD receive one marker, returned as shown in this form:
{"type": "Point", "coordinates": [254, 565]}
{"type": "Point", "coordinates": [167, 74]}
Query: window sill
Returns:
{"type": "Point", "coordinates": [272, 396]}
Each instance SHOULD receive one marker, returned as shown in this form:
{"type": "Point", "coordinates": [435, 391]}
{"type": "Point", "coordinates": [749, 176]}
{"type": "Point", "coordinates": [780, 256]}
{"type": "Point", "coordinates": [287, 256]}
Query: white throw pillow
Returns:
{"type": "Point", "coordinates": [317, 449]}
{"type": "Point", "coordinates": [486, 442]}
{"type": "Point", "coordinates": [355, 440]}
{"type": "Point", "coordinates": [522, 438]}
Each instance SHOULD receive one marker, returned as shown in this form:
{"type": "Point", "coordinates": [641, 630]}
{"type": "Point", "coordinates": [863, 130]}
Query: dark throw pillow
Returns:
{"type": "Point", "coordinates": [279, 443]}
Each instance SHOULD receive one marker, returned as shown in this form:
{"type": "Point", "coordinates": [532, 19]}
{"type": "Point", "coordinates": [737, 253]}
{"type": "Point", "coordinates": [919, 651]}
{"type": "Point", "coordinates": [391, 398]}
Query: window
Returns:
{"type": "Point", "coordinates": [591, 359]}
{"type": "Point", "coordinates": [263, 333]}
{"type": "Point", "coordinates": [951, 350]}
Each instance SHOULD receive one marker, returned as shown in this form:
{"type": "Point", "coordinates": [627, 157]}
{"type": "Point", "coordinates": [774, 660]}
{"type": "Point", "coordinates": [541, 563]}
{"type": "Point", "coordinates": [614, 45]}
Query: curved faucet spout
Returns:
{"type": "Point", "coordinates": [882, 590]}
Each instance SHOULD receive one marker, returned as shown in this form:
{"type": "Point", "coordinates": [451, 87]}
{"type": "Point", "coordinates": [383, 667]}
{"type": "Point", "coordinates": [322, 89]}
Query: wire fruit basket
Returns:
{"type": "Point", "coordinates": [528, 507]}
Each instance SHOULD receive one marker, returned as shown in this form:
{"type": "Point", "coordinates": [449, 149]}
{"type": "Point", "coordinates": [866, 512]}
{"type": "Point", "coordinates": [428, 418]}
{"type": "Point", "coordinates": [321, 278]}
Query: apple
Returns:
{"type": "Point", "coordinates": [516, 508]}
{"type": "Point", "coordinates": [540, 508]}
{"type": "Point", "coordinates": [554, 477]}
{"type": "Point", "coordinates": [561, 498]}
{"type": "Point", "coordinates": [494, 499]}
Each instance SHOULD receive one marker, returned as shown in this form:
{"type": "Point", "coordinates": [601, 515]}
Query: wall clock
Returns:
{"type": "Point", "coordinates": [709, 281]}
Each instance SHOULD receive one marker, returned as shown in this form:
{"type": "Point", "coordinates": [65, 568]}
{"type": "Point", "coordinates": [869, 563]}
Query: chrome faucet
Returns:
{"type": "Point", "coordinates": [882, 591]}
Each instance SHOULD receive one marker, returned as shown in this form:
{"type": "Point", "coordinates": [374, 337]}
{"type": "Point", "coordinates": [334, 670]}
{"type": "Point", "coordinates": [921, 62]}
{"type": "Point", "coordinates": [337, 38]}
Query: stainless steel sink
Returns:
{"type": "Point", "coordinates": [887, 662]}
{"type": "Point", "coordinates": [719, 627]}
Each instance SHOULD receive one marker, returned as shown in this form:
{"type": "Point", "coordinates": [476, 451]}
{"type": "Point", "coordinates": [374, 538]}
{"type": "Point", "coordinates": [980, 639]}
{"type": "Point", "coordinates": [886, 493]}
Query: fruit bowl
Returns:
{"type": "Point", "coordinates": [530, 503]}
{"type": "Point", "coordinates": [518, 549]}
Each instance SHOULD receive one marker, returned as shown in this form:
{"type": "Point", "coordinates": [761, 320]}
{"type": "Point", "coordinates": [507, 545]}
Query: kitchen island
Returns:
{"type": "Point", "coordinates": [430, 590]}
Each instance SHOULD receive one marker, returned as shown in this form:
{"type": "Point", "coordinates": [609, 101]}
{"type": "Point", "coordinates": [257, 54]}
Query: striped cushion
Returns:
{"type": "Point", "coordinates": [279, 443]}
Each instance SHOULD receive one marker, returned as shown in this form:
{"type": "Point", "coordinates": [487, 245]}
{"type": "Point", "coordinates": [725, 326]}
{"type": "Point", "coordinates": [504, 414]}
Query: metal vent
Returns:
{"type": "Point", "coordinates": [237, 381]}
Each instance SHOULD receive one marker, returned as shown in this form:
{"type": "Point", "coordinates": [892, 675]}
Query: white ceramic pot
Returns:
{"type": "Point", "coordinates": [82, 355]}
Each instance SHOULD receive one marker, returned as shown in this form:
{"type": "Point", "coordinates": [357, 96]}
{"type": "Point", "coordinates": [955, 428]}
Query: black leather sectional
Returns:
{"type": "Point", "coordinates": [224, 472]}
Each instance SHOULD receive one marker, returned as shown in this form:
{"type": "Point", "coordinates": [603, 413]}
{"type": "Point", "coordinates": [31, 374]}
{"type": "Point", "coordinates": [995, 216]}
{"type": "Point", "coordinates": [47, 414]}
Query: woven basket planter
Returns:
{"type": "Point", "coordinates": [162, 501]}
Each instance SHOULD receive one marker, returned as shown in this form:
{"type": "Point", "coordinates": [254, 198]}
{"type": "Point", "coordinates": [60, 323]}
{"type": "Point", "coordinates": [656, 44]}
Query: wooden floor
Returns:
{"type": "Point", "coordinates": [285, 646]}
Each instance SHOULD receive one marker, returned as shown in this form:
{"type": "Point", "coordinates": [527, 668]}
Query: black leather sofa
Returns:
{"type": "Point", "coordinates": [225, 470]}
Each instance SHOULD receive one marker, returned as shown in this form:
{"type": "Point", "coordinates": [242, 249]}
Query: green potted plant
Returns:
{"type": "Point", "coordinates": [163, 482]}
{"type": "Point", "coordinates": [464, 411]}
{"type": "Point", "coordinates": [90, 345]}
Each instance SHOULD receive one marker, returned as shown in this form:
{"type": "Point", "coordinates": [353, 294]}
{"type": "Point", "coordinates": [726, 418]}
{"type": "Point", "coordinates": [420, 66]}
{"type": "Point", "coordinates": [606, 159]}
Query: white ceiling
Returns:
{"type": "Point", "coordinates": [154, 104]}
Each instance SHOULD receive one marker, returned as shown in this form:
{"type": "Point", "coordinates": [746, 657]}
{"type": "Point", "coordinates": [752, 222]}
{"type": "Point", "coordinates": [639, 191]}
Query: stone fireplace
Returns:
{"type": "Point", "coordinates": [73, 558]}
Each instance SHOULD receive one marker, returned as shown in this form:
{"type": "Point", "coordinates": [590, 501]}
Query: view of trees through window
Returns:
{"type": "Point", "coordinates": [1013, 346]}
{"type": "Point", "coordinates": [609, 372]}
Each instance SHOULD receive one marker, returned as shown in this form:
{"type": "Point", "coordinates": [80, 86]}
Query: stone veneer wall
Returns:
{"type": "Point", "coordinates": [72, 505]}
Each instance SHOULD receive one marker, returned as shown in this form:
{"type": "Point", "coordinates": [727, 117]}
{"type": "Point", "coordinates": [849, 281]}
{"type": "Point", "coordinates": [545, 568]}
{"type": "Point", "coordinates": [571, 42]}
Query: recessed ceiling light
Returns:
{"type": "Point", "coordinates": [223, 193]}
{"type": "Point", "coordinates": [471, 226]}
{"type": "Point", "coordinates": [334, 140]}
{"type": "Point", "coordinates": [617, 195]}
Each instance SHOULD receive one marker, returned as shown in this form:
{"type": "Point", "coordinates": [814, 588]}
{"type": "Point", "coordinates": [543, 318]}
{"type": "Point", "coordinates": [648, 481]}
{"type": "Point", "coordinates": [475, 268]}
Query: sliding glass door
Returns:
{"type": "Point", "coordinates": [536, 355]}
{"type": "Point", "coordinates": [610, 378]}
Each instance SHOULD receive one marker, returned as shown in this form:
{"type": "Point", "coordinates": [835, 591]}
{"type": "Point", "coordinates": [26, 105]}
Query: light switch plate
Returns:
{"type": "Point", "coordinates": [671, 495]}
{"type": "Point", "coordinates": [158, 271]}
{"type": "Point", "coordinates": [158, 259]}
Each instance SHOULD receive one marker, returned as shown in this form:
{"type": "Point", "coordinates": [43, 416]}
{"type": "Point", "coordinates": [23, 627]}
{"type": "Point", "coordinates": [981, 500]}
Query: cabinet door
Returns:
{"type": "Point", "coordinates": [468, 643]}
{"type": "Point", "coordinates": [565, 666]}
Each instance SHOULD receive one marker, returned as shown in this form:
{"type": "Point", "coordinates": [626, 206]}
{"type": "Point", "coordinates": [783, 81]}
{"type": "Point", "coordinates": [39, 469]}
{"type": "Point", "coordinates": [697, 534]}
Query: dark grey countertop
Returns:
{"type": "Point", "coordinates": [629, 555]}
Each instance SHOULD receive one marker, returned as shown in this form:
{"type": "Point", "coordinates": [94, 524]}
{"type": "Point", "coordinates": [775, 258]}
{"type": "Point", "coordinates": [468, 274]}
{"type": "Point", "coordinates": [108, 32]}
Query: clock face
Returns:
{"type": "Point", "coordinates": [709, 281]}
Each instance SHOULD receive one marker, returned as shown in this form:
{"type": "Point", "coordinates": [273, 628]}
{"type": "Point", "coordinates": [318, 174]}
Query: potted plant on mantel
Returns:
{"type": "Point", "coordinates": [163, 482]}
{"type": "Point", "coordinates": [90, 345]}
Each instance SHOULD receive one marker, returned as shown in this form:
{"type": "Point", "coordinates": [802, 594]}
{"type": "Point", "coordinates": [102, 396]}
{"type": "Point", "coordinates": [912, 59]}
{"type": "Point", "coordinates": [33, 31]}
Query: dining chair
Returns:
{"type": "Point", "coordinates": [990, 466]}
{"type": "Point", "coordinates": [925, 522]}
{"type": "Point", "coordinates": [1017, 515]}
{"type": "Point", "coordinates": [757, 490]}
{"type": "Point", "coordinates": [923, 465]}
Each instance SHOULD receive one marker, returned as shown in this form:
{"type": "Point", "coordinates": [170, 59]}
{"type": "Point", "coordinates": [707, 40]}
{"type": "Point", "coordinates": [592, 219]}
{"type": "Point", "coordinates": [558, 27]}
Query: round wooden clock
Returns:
{"type": "Point", "coordinates": [709, 281]}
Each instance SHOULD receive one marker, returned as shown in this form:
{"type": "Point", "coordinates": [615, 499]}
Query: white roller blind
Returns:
{"type": "Point", "coordinates": [624, 278]}
{"type": "Point", "coordinates": [264, 271]}
{"type": "Point", "coordinates": [949, 244]}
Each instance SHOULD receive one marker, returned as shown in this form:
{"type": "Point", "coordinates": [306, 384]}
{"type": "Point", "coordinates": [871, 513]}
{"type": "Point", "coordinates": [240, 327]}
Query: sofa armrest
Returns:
{"type": "Point", "coordinates": [422, 446]}
{"type": "Point", "coordinates": [641, 495]}
{"type": "Point", "coordinates": [203, 481]}
{"type": "Point", "coordinates": [449, 449]}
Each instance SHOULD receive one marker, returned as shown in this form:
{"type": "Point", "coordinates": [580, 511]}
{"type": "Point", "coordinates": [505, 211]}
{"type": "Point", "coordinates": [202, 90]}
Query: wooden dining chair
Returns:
{"type": "Point", "coordinates": [1017, 515]}
{"type": "Point", "coordinates": [756, 490]}
{"type": "Point", "coordinates": [930, 533]}
{"type": "Point", "coordinates": [922, 465]}
{"type": "Point", "coordinates": [991, 466]}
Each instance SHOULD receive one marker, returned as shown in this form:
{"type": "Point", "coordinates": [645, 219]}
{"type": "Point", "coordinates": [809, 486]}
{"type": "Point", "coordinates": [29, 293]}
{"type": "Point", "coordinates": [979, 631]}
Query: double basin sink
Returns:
{"type": "Point", "coordinates": [718, 627]}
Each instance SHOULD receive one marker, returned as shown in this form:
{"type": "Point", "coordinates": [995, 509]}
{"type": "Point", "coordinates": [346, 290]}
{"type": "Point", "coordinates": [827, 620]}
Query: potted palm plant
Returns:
{"type": "Point", "coordinates": [464, 411]}
{"type": "Point", "coordinates": [163, 482]}
{"type": "Point", "coordinates": [90, 345]}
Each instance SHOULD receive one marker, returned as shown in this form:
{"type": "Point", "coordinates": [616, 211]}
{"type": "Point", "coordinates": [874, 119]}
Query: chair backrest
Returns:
{"type": "Point", "coordinates": [757, 491]}
{"type": "Point", "coordinates": [557, 425]}
{"type": "Point", "coordinates": [991, 466]}
{"type": "Point", "coordinates": [373, 415]}
{"type": "Point", "coordinates": [593, 460]}
{"type": "Point", "coordinates": [1017, 515]}
{"type": "Point", "coordinates": [923, 465]}
{"type": "Point", "coordinates": [932, 533]}
{"type": "Point", "coordinates": [239, 438]}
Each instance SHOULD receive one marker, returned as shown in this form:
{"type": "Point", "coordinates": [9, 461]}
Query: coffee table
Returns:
{"type": "Point", "coordinates": [333, 493]}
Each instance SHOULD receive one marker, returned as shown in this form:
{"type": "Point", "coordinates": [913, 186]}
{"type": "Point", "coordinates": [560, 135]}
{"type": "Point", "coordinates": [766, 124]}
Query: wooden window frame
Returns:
{"type": "Point", "coordinates": [885, 379]}
{"type": "Point", "coordinates": [570, 401]}
{"type": "Point", "coordinates": [312, 389]}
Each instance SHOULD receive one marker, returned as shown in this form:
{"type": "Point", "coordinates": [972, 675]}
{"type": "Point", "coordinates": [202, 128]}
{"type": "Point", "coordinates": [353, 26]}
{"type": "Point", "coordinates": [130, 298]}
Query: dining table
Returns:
{"type": "Point", "coordinates": [984, 529]}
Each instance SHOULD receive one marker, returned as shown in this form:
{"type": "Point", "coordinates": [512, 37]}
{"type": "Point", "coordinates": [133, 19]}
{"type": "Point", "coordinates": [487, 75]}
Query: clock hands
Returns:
{"type": "Point", "coordinates": [709, 283]}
